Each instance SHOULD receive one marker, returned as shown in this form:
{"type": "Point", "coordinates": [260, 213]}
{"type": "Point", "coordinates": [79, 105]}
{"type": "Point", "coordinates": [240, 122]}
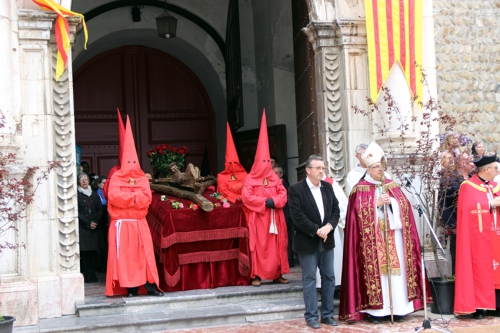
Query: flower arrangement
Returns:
{"type": "Point", "coordinates": [162, 155]}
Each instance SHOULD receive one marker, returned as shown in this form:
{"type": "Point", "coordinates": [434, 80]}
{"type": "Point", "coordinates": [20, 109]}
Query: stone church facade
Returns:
{"type": "Point", "coordinates": [42, 279]}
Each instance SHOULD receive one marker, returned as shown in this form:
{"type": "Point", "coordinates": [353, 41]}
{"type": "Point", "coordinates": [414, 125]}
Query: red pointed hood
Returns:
{"type": "Point", "coordinates": [261, 168]}
{"type": "Point", "coordinates": [232, 164]}
{"type": "Point", "coordinates": [121, 134]}
{"type": "Point", "coordinates": [130, 172]}
{"type": "Point", "coordinates": [230, 180]}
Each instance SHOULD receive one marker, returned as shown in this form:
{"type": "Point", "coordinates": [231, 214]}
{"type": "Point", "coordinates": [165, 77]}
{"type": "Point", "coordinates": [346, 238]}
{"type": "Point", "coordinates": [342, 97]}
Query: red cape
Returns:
{"type": "Point", "coordinates": [360, 288]}
{"type": "Point", "coordinates": [478, 253]}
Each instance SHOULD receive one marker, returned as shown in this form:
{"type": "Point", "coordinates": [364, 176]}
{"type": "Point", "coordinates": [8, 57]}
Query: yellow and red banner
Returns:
{"type": "Point", "coordinates": [61, 30]}
{"type": "Point", "coordinates": [394, 34]}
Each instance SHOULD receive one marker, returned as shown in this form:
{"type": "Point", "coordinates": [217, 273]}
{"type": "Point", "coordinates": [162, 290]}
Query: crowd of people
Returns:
{"type": "Point", "coordinates": [378, 250]}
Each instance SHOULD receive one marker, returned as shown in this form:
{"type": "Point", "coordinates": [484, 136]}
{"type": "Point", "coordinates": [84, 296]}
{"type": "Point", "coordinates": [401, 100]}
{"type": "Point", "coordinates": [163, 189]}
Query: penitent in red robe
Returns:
{"type": "Point", "coordinates": [477, 273]}
{"type": "Point", "coordinates": [230, 180]}
{"type": "Point", "coordinates": [268, 235]}
{"type": "Point", "coordinates": [131, 259]}
{"type": "Point", "coordinates": [361, 273]}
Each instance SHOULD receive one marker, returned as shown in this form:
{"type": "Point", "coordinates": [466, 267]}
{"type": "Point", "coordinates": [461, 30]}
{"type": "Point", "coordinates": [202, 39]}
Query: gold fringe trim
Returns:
{"type": "Point", "coordinates": [394, 271]}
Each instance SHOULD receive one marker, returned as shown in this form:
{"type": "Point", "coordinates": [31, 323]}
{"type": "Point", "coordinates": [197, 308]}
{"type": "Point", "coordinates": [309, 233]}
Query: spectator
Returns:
{"type": "Point", "coordinates": [89, 217]}
{"type": "Point", "coordinates": [102, 252]}
{"type": "Point", "coordinates": [315, 212]}
{"type": "Point", "coordinates": [450, 180]}
{"type": "Point", "coordinates": [451, 144]}
{"type": "Point", "coordinates": [477, 149]}
{"type": "Point", "coordinates": [289, 223]}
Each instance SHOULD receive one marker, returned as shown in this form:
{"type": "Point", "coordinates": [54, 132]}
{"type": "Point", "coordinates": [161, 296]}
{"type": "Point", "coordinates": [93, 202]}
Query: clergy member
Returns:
{"type": "Point", "coordinates": [364, 289]}
{"type": "Point", "coordinates": [230, 180]}
{"type": "Point", "coordinates": [264, 196]}
{"type": "Point", "coordinates": [477, 271]}
{"type": "Point", "coordinates": [131, 260]}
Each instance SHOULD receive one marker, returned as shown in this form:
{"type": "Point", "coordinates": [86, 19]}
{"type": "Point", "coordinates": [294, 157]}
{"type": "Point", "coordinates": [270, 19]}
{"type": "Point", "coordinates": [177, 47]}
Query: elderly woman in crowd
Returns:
{"type": "Point", "coordinates": [89, 216]}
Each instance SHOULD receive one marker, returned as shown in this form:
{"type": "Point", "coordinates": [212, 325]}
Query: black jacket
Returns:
{"type": "Point", "coordinates": [306, 218]}
{"type": "Point", "coordinates": [89, 210]}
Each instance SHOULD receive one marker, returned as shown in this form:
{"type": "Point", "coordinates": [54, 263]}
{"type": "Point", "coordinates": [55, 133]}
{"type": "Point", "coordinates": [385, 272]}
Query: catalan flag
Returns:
{"type": "Point", "coordinates": [62, 32]}
{"type": "Point", "coordinates": [394, 34]}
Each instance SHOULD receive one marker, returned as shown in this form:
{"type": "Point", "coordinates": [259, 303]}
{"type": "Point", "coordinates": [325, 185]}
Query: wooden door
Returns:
{"type": "Point", "coordinates": [246, 145]}
{"type": "Point", "coordinates": [164, 99]}
{"type": "Point", "coordinates": [305, 88]}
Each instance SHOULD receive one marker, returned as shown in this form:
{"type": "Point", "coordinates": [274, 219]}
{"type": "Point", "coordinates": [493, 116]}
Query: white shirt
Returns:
{"type": "Point", "coordinates": [316, 192]}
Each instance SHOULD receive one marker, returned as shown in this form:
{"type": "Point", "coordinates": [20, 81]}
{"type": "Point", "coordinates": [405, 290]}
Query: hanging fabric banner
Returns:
{"type": "Point", "coordinates": [62, 32]}
{"type": "Point", "coordinates": [394, 34]}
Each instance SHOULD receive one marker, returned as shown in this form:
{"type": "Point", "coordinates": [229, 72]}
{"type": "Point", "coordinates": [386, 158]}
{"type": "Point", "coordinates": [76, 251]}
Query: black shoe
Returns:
{"type": "Point", "coordinates": [479, 314]}
{"type": "Point", "coordinates": [374, 320]}
{"type": "Point", "coordinates": [313, 323]}
{"type": "Point", "coordinates": [131, 294]}
{"type": "Point", "coordinates": [398, 319]}
{"type": "Point", "coordinates": [329, 321]}
{"type": "Point", "coordinates": [155, 293]}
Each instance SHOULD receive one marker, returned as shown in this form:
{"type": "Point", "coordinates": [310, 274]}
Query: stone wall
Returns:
{"type": "Point", "coordinates": [467, 34]}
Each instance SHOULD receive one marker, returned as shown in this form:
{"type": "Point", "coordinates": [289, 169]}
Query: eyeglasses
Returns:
{"type": "Point", "coordinates": [318, 168]}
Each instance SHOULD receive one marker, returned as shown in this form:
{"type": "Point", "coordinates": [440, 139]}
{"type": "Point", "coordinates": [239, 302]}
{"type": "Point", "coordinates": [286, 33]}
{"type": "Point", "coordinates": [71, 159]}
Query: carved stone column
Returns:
{"type": "Point", "coordinates": [341, 81]}
{"type": "Point", "coordinates": [47, 282]}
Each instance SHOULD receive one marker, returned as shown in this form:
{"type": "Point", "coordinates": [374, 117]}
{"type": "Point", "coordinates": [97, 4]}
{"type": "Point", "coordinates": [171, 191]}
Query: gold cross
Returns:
{"type": "Point", "coordinates": [479, 213]}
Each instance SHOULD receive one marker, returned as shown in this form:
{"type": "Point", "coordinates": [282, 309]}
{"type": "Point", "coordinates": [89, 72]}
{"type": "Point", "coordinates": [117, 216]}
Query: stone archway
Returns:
{"type": "Point", "coordinates": [164, 99]}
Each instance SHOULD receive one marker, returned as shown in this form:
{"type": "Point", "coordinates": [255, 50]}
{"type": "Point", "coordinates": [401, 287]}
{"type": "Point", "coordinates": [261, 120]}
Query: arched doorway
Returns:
{"type": "Point", "coordinates": [164, 99]}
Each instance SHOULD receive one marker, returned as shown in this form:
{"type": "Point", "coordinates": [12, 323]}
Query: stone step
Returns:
{"type": "Point", "coordinates": [192, 299]}
{"type": "Point", "coordinates": [173, 319]}
{"type": "Point", "coordinates": [181, 310]}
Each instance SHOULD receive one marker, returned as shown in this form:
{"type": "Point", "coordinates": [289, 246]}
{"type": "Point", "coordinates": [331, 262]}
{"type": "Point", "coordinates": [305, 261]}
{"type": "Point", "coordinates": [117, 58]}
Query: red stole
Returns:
{"type": "Point", "coordinates": [477, 273]}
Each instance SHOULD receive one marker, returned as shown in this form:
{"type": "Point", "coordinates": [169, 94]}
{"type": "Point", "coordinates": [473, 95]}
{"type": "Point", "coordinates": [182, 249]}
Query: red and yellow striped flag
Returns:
{"type": "Point", "coordinates": [62, 32]}
{"type": "Point", "coordinates": [394, 34]}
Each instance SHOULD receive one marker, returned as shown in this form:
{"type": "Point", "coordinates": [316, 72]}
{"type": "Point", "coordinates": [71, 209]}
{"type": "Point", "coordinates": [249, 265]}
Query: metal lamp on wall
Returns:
{"type": "Point", "coordinates": [166, 24]}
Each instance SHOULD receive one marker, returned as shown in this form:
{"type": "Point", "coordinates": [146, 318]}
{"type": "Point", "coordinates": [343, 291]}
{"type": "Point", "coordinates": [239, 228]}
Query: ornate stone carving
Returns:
{"type": "Point", "coordinates": [335, 144]}
{"type": "Point", "coordinates": [64, 134]}
{"type": "Point", "coordinates": [331, 42]}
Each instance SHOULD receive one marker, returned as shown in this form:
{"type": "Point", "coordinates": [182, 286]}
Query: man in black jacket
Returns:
{"type": "Point", "coordinates": [315, 213]}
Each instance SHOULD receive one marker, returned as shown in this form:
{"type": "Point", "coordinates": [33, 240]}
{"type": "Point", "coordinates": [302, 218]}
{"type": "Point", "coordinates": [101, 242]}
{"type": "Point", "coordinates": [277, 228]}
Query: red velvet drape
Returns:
{"type": "Point", "coordinates": [197, 249]}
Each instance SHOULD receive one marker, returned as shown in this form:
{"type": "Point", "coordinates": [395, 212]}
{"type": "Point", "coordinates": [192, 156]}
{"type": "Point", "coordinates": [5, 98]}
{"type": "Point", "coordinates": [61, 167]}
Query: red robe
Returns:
{"type": "Point", "coordinates": [269, 252]}
{"type": "Point", "coordinates": [477, 272]}
{"type": "Point", "coordinates": [135, 263]}
{"type": "Point", "coordinates": [361, 274]}
{"type": "Point", "coordinates": [131, 259]}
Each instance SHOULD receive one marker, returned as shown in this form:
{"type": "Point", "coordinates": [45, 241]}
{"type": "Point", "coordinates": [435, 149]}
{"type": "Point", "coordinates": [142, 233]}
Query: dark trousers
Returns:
{"type": "Point", "coordinates": [88, 261]}
{"type": "Point", "coordinates": [150, 287]}
{"type": "Point", "coordinates": [289, 227]}
{"type": "Point", "coordinates": [453, 247]}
